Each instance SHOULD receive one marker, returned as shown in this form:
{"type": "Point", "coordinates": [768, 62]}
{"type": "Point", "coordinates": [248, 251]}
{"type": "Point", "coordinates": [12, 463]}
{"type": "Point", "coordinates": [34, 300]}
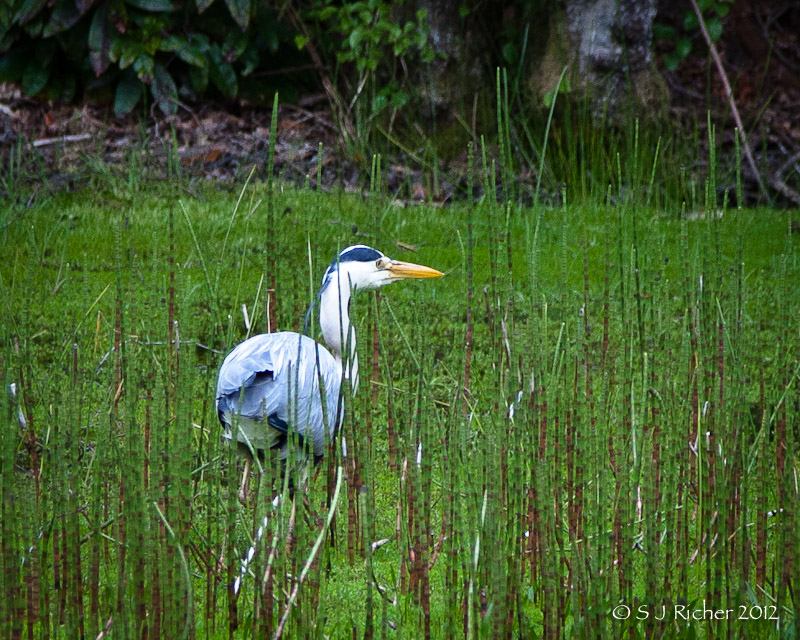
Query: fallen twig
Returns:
{"type": "Point", "coordinates": [8, 112]}
{"type": "Point", "coordinates": [75, 138]}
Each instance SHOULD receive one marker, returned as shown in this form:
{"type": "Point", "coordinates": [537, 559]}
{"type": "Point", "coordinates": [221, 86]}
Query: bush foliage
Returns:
{"type": "Point", "coordinates": [176, 49]}
{"type": "Point", "coordinates": [171, 51]}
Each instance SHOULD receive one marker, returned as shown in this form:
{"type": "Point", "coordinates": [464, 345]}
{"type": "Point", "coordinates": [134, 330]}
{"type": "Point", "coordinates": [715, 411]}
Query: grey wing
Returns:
{"type": "Point", "coordinates": [274, 378]}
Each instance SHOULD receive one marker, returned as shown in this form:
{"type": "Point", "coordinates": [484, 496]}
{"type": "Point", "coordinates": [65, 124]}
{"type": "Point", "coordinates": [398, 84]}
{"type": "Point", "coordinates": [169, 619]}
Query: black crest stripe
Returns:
{"type": "Point", "coordinates": [358, 254]}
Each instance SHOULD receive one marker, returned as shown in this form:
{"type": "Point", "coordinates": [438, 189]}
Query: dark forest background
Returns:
{"type": "Point", "coordinates": [414, 81]}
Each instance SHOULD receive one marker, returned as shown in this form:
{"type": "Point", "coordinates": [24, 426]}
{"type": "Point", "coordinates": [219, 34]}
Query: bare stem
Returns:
{"type": "Point", "coordinates": [310, 560]}
{"type": "Point", "coordinates": [729, 93]}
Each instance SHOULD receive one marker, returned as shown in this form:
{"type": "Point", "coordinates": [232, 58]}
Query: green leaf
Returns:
{"type": "Point", "coordinates": [250, 60]}
{"type": "Point", "coordinates": [240, 12]}
{"type": "Point", "coordinates": [399, 99]}
{"type": "Point", "coordinates": [714, 27]}
{"type": "Point", "coordinates": [164, 90]}
{"type": "Point", "coordinates": [722, 9]}
{"type": "Point", "coordinates": [35, 77]}
{"type": "Point", "coordinates": [234, 45]}
{"type": "Point", "coordinates": [153, 5]}
{"type": "Point", "coordinates": [126, 51]}
{"type": "Point", "coordinates": [144, 66]}
{"type": "Point", "coordinates": [663, 31]}
{"type": "Point", "coordinates": [173, 43]}
{"type": "Point", "coordinates": [129, 91]}
{"type": "Point", "coordinates": [354, 39]}
{"type": "Point", "coordinates": [683, 47]}
{"type": "Point", "coordinates": [671, 61]}
{"type": "Point", "coordinates": [198, 76]}
{"type": "Point", "coordinates": [28, 10]}
{"type": "Point", "coordinates": [35, 26]}
{"type": "Point", "coordinates": [690, 22]}
{"type": "Point", "coordinates": [199, 40]}
{"type": "Point", "coordinates": [12, 65]}
{"type": "Point", "coordinates": [202, 5]}
{"type": "Point", "coordinates": [300, 41]}
{"type": "Point", "coordinates": [64, 16]}
{"type": "Point", "coordinates": [379, 102]}
{"type": "Point", "coordinates": [221, 73]}
{"type": "Point", "coordinates": [189, 53]}
{"type": "Point", "coordinates": [99, 41]}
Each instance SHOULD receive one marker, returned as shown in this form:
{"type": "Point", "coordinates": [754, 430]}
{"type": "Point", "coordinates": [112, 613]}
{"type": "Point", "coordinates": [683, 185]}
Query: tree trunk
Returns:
{"type": "Point", "coordinates": [606, 47]}
{"type": "Point", "coordinates": [457, 73]}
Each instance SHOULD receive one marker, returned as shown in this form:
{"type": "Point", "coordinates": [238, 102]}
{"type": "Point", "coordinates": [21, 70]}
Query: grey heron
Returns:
{"type": "Point", "coordinates": [268, 390]}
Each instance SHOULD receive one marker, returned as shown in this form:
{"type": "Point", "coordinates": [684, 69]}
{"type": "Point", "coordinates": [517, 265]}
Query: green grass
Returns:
{"type": "Point", "coordinates": [656, 363]}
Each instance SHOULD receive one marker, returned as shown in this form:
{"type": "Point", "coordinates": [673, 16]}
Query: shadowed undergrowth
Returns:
{"type": "Point", "coordinates": [597, 407]}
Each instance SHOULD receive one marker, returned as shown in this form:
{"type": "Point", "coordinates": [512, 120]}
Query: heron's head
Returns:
{"type": "Point", "coordinates": [366, 268]}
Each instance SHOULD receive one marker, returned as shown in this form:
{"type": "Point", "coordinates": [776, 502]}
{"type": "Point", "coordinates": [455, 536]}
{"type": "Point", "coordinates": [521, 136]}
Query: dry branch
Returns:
{"type": "Point", "coordinates": [775, 182]}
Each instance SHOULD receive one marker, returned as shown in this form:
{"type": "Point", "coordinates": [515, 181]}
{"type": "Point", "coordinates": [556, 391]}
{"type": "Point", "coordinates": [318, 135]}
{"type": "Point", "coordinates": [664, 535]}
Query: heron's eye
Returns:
{"type": "Point", "coordinates": [380, 263]}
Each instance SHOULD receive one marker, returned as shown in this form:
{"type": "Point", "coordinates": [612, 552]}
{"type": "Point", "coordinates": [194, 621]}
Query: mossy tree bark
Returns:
{"type": "Point", "coordinates": [606, 47]}
{"type": "Point", "coordinates": [459, 68]}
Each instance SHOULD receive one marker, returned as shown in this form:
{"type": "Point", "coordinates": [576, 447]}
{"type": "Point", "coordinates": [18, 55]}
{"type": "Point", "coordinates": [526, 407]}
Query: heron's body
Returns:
{"type": "Point", "coordinates": [269, 385]}
{"type": "Point", "coordinates": [276, 375]}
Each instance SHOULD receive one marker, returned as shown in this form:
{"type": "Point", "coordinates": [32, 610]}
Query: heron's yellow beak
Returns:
{"type": "Point", "coordinates": [400, 269]}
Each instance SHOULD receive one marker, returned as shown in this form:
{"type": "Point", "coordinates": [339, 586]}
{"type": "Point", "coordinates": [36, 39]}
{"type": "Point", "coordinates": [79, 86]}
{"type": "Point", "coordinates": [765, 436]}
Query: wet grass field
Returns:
{"type": "Point", "coordinates": [588, 428]}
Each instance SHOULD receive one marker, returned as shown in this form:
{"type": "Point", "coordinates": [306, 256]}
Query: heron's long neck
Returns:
{"type": "Point", "coordinates": [334, 320]}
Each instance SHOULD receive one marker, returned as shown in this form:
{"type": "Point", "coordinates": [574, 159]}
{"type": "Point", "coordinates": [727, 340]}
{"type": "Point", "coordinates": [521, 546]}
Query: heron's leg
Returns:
{"type": "Point", "coordinates": [244, 490]}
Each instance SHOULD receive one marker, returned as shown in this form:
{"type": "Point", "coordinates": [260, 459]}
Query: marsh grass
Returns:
{"type": "Point", "coordinates": [598, 406]}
